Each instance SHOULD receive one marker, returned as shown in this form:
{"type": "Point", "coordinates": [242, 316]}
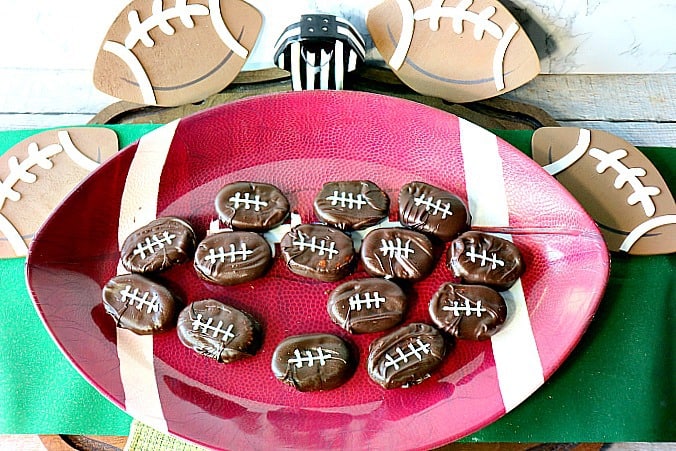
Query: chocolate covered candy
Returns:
{"type": "Point", "coordinates": [229, 258]}
{"type": "Point", "coordinates": [351, 205]}
{"type": "Point", "coordinates": [139, 304]}
{"type": "Point", "coordinates": [406, 356]}
{"type": "Point", "coordinates": [318, 251]}
{"type": "Point", "coordinates": [469, 312]}
{"type": "Point", "coordinates": [251, 206]}
{"type": "Point", "coordinates": [313, 362]}
{"type": "Point", "coordinates": [481, 258]}
{"type": "Point", "coordinates": [397, 253]}
{"type": "Point", "coordinates": [367, 305]}
{"type": "Point", "coordinates": [218, 331]}
{"type": "Point", "coordinates": [157, 246]}
{"type": "Point", "coordinates": [432, 210]}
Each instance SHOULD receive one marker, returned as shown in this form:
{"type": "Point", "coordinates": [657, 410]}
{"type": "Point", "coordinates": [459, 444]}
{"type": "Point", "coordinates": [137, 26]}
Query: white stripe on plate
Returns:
{"type": "Point", "coordinates": [139, 207]}
{"type": "Point", "coordinates": [516, 356]}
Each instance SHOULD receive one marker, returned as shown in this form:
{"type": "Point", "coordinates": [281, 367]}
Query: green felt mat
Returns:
{"type": "Point", "coordinates": [617, 385]}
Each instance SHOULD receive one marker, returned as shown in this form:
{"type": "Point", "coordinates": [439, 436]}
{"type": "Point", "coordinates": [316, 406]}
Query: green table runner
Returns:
{"type": "Point", "coordinates": [617, 385]}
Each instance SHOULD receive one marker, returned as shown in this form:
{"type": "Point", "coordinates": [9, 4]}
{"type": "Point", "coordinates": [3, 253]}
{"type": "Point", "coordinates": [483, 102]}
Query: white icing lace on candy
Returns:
{"type": "Point", "coordinates": [153, 244]}
{"type": "Point", "coordinates": [214, 331]}
{"type": "Point", "coordinates": [459, 14]}
{"type": "Point", "coordinates": [347, 200]}
{"type": "Point", "coordinates": [369, 301]}
{"type": "Point", "coordinates": [402, 357]}
{"type": "Point", "coordinates": [232, 254]}
{"type": "Point", "coordinates": [484, 258]}
{"type": "Point", "coordinates": [324, 246]}
{"type": "Point", "coordinates": [395, 248]}
{"type": "Point", "coordinates": [465, 308]}
{"type": "Point", "coordinates": [433, 207]}
{"type": "Point", "coordinates": [310, 359]}
{"type": "Point", "coordinates": [129, 296]}
{"type": "Point", "coordinates": [245, 200]}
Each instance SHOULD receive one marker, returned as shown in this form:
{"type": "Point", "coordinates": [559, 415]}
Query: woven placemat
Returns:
{"type": "Point", "coordinates": [146, 438]}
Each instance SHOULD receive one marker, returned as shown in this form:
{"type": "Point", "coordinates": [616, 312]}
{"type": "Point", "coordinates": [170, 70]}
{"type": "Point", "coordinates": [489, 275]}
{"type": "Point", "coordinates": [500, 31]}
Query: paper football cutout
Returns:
{"type": "Point", "coordinates": [37, 173]}
{"type": "Point", "coordinates": [617, 185]}
{"type": "Point", "coordinates": [170, 53]}
{"type": "Point", "coordinates": [469, 51]}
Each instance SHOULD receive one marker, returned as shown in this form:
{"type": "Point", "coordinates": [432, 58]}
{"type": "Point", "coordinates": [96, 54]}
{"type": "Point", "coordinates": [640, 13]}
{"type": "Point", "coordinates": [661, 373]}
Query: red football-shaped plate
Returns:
{"type": "Point", "coordinates": [297, 142]}
{"type": "Point", "coordinates": [618, 185]}
{"type": "Point", "coordinates": [468, 51]}
{"type": "Point", "coordinates": [172, 52]}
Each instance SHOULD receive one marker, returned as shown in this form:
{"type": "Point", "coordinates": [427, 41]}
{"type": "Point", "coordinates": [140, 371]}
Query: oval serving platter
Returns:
{"type": "Point", "coordinates": [297, 141]}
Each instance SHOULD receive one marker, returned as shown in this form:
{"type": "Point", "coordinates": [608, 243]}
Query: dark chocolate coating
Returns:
{"type": "Point", "coordinates": [429, 209]}
{"type": "Point", "coordinates": [139, 304]}
{"type": "Point", "coordinates": [468, 312]}
{"type": "Point", "coordinates": [218, 331]}
{"type": "Point", "coordinates": [318, 251]}
{"type": "Point", "coordinates": [484, 259]}
{"type": "Point", "coordinates": [159, 245]}
{"type": "Point", "coordinates": [406, 356]}
{"type": "Point", "coordinates": [397, 253]}
{"type": "Point", "coordinates": [367, 305]}
{"type": "Point", "coordinates": [351, 205]}
{"type": "Point", "coordinates": [229, 258]}
{"type": "Point", "coordinates": [251, 206]}
{"type": "Point", "coordinates": [313, 362]}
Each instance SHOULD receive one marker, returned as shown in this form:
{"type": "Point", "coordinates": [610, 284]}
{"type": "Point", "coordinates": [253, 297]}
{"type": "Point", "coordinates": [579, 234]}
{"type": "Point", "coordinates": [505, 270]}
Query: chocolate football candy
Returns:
{"type": "Point", "coordinates": [351, 205]}
{"type": "Point", "coordinates": [367, 305]}
{"type": "Point", "coordinates": [313, 362]}
{"type": "Point", "coordinates": [251, 206]}
{"type": "Point", "coordinates": [397, 253]}
{"type": "Point", "coordinates": [429, 209]}
{"type": "Point", "coordinates": [157, 246]}
{"type": "Point", "coordinates": [218, 331]}
{"type": "Point", "coordinates": [481, 258]}
{"type": "Point", "coordinates": [139, 304]}
{"type": "Point", "coordinates": [318, 251]}
{"type": "Point", "coordinates": [229, 258]}
{"type": "Point", "coordinates": [468, 312]}
{"type": "Point", "coordinates": [406, 356]}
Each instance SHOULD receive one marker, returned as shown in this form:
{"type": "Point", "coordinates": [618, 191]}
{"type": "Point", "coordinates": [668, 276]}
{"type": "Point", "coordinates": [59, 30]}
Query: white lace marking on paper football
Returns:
{"type": "Point", "coordinates": [19, 171]}
{"type": "Point", "coordinates": [626, 175]}
{"type": "Point", "coordinates": [484, 258]}
{"type": "Point", "coordinates": [466, 308]}
{"type": "Point", "coordinates": [369, 301]}
{"type": "Point", "coordinates": [130, 297]}
{"type": "Point", "coordinates": [395, 248]}
{"type": "Point", "coordinates": [153, 244]}
{"type": "Point", "coordinates": [583, 142]}
{"type": "Point", "coordinates": [402, 356]}
{"type": "Point", "coordinates": [324, 246]}
{"type": "Point", "coordinates": [347, 200]}
{"type": "Point", "coordinates": [460, 14]}
{"type": "Point", "coordinates": [644, 228]}
{"type": "Point", "coordinates": [309, 358]}
{"type": "Point", "coordinates": [232, 254]}
{"type": "Point", "coordinates": [433, 207]}
{"type": "Point", "coordinates": [140, 32]}
{"type": "Point", "coordinates": [245, 200]}
{"type": "Point", "coordinates": [214, 331]}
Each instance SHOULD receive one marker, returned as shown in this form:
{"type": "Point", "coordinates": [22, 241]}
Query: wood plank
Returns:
{"type": "Point", "coordinates": [610, 97]}
{"type": "Point", "coordinates": [31, 121]}
{"type": "Point", "coordinates": [648, 134]}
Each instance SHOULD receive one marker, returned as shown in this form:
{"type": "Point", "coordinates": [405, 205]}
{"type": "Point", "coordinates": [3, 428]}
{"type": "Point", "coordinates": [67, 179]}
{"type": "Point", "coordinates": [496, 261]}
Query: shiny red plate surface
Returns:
{"type": "Point", "coordinates": [297, 141]}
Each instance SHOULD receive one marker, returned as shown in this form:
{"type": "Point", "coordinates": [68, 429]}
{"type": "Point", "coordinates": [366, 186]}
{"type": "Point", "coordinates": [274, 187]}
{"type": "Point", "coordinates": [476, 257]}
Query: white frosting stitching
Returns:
{"type": "Point", "coordinates": [347, 200]}
{"type": "Point", "coordinates": [321, 248]}
{"type": "Point", "coordinates": [309, 358]}
{"type": "Point", "coordinates": [369, 301]}
{"type": "Point", "coordinates": [395, 248]}
{"type": "Point", "coordinates": [129, 296]}
{"type": "Point", "coordinates": [221, 255]}
{"type": "Point", "coordinates": [484, 258]}
{"type": "Point", "coordinates": [153, 244]}
{"type": "Point", "coordinates": [402, 357]}
{"type": "Point", "coordinates": [207, 328]}
{"type": "Point", "coordinates": [434, 207]}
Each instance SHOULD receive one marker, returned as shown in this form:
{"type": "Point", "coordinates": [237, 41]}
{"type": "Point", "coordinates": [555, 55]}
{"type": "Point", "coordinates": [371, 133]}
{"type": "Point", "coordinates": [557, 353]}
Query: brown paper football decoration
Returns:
{"type": "Point", "coordinates": [460, 51]}
{"type": "Point", "coordinates": [617, 185]}
{"type": "Point", "coordinates": [172, 52]}
{"type": "Point", "coordinates": [37, 173]}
